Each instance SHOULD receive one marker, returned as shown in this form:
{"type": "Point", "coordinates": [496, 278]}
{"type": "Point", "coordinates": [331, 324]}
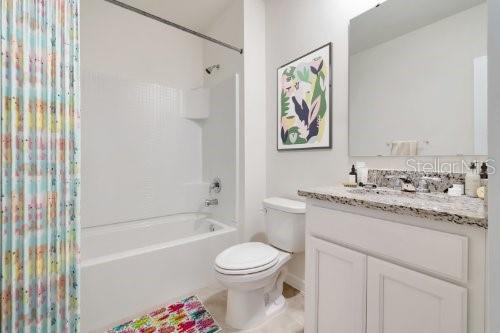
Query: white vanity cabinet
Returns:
{"type": "Point", "coordinates": [336, 290]}
{"type": "Point", "coordinates": [402, 300]}
{"type": "Point", "coordinates": [375, 272]}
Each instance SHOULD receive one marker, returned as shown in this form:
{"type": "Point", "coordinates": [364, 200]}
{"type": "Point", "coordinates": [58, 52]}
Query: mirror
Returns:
{"type": "Point", "coordinates": [418, 79]}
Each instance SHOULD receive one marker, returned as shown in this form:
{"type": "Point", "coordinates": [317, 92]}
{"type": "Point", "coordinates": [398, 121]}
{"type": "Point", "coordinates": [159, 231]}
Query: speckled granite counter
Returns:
{"type": "Point", "coordinates": [435, 206]}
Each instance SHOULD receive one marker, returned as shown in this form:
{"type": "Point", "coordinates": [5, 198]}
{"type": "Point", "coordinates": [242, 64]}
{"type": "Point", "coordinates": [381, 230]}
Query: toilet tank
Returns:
{"type": "Point", "coordinates": [285, 223]}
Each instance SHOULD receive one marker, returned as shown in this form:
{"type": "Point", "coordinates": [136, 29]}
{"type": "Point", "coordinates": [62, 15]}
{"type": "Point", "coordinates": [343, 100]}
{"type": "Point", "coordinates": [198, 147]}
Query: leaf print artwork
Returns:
{"type": "Point", "coordinates": [304, 101]}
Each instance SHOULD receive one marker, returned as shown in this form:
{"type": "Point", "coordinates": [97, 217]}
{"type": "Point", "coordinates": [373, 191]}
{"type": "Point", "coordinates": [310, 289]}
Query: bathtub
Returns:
{"type": "Point", "coordinates": [129, 268]}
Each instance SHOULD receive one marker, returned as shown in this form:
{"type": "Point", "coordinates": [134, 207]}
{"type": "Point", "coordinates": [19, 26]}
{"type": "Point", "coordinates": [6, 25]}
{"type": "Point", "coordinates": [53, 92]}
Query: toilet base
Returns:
{"type": "Point", "coordinates": [247, 309]}
{"type": "Point", "coordinates": [276, 307]}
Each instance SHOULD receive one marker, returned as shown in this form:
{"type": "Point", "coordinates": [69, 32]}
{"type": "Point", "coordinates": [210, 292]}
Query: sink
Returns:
{"type": "Point", "coordinates": [378, 190]}
{"type": "Point", "coordinates": [388, 193]}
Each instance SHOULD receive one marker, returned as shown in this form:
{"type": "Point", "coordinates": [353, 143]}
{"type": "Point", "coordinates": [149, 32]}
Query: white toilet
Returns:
{"type": "Point", "coordinates": [254, 272]}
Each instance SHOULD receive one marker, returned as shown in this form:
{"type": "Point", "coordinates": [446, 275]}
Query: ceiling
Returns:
{"type": "Point", "coordinates": [193, 14]}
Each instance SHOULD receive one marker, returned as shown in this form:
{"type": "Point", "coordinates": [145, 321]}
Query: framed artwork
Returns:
{"type": "Point", "coordinates": [304, 101]}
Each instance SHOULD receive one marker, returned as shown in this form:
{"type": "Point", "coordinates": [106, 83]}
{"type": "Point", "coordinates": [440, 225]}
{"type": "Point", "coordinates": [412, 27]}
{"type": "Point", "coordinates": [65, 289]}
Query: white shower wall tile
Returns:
{"type": "Point", "coordinates": [140, 157]}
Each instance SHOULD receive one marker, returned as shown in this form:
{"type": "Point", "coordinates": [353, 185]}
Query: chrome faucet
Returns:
{"type": "Point", "coordinates": [423, 184]}
{"type": "Point", "coordinates": [395, 181]}
{"type": "Point", "coordinates": [211, 202]}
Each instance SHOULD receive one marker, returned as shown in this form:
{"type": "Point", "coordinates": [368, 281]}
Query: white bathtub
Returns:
{"type": "Point", "coordinates": [131, 267]}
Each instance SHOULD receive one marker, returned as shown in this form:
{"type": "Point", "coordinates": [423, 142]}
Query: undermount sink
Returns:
{"type": "Point", "coordinates": [378, 190]}
{"type": "Point", "coordinates": [382, 191]}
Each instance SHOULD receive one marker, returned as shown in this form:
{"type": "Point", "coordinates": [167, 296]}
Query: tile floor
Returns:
{"type": "Point", "coordinates": [214, 298]}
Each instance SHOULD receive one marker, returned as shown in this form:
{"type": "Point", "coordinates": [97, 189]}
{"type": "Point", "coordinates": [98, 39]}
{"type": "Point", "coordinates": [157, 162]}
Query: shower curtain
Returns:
{"type": "Point", "coordinates": [40, 176]}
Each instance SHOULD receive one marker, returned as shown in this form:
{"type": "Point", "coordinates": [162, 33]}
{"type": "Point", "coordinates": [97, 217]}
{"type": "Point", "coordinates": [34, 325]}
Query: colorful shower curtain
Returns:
{"type": "Point", "coordinates": [40, 161]}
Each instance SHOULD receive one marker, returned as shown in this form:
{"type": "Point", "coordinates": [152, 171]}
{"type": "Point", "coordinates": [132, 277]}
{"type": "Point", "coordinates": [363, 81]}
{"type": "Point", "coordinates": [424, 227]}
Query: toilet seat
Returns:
{"type": "Point", "coordinates": [246, 258]}
{"type": "Point", "coordinates": [246, 271]}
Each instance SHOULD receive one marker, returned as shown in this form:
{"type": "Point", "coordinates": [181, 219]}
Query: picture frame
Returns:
{"type": "Point", "coordinates": [304, 101]}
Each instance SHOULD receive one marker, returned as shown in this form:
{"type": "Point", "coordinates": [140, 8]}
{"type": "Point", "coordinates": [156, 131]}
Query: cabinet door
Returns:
{"type": "Point", "coordinates": [335, 288]}
{"type": "Point", "coordinates": [400, 300]}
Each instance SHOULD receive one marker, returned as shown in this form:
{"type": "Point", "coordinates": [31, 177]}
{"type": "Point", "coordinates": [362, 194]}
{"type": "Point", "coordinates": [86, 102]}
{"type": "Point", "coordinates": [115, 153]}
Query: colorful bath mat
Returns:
{"type": "Point", "coordinates": [186, 316]}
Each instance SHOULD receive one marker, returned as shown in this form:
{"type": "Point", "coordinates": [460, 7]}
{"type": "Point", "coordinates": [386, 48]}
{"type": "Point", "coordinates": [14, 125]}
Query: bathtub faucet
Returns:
{"type": "Point", "coordinates": [211, 202]}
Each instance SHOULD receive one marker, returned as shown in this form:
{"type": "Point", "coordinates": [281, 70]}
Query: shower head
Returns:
{"type": "Point", "coordinates": [210, 69]}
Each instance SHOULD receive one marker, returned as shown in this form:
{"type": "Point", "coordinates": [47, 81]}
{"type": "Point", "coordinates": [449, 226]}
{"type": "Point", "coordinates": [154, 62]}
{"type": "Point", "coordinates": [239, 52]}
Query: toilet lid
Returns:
{"type": "Point", "coordinates": [247, 256]}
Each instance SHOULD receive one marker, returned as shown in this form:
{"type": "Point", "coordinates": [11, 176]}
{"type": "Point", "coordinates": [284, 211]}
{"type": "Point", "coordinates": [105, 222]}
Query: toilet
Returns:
{"type": "Point", "coordinates": [254, 272]}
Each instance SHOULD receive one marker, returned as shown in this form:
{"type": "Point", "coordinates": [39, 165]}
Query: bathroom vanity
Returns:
{"type": "Point", "coordinates": [384, 261]}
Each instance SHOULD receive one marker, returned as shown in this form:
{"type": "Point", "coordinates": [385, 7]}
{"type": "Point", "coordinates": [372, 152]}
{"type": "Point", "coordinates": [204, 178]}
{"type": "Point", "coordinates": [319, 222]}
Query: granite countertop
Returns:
{"type": "Point", "coordinates": [435, 206]}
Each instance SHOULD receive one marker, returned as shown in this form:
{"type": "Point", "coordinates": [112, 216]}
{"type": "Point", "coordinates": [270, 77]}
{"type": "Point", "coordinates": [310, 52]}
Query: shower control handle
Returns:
{"type": "Point", "coordinates": [215, 185]}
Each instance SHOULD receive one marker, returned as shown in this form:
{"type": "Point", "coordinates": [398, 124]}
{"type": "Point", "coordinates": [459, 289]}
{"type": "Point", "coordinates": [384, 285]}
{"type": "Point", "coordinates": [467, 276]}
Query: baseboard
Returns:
{"type": "Point", "coordinates": [295, 282]}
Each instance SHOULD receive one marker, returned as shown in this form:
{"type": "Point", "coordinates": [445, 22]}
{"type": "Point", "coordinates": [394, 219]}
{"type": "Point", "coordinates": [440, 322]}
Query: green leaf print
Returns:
{"type": "Point", "coordinates": [319, 92]}
{"type": "Point", "coordinates": [294, 137]}
{"type": "Point", "coordinates": [285, 104]}
{"type": "Point", "coordinates": [304, 75]}
{"type": "Point", "coordinates": [289, 73]}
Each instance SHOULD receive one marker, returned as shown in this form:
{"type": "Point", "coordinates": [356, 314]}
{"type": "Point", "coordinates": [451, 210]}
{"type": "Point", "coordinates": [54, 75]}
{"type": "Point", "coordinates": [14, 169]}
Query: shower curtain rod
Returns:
{"type": "Point", "coordinates": [175, 25]}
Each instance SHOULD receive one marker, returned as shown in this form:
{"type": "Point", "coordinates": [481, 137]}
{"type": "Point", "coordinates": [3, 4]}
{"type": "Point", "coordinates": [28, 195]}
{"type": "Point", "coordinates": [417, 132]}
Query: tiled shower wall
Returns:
{"type": "Point", "coordinates": [140, 158]}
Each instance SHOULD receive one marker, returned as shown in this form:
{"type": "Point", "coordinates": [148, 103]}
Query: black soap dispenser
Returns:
{"type": "Point", "coordinates": [353, 175]}
{"type": "Point", "coordinates": [484, 171]}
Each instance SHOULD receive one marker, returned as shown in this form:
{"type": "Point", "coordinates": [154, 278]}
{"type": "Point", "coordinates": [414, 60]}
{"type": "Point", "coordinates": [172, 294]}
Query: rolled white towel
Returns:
{"type": "Point", "coordinates": [404, 148]}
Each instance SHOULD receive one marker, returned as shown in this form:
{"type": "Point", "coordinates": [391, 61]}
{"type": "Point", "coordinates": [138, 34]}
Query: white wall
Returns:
{"type": "Point", "coordinates": [327, 20]}
{"type": "Point", "coordinates": [138, 154]}
{"type": "Point", "coordinates": [428, 72]}
{"type": "Point", "coordinates": [254, 169]}
{"type": "Point", "coordinates": [228, 27]}
{"type": "Point", "coordinates": [117, 41]}
{"type": "Point", "coordinates": [494, 149]}
{"type": "Point", "coordinates": [293, 28]}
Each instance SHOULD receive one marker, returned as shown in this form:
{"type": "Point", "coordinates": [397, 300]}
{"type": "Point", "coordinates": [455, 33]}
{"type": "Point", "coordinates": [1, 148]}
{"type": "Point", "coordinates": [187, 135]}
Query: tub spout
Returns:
{"type": "Point", "coordinates": [211, 202]}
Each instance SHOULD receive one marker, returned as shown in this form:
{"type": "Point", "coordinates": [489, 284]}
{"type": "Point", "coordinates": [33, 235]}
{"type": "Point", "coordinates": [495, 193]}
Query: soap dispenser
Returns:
{"type": "Point", "coordinates": [472, 181]}
{"type": "Point", "coordinates": [353, 175]}
{"type": "Point", "coordinates": [484, 171]}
